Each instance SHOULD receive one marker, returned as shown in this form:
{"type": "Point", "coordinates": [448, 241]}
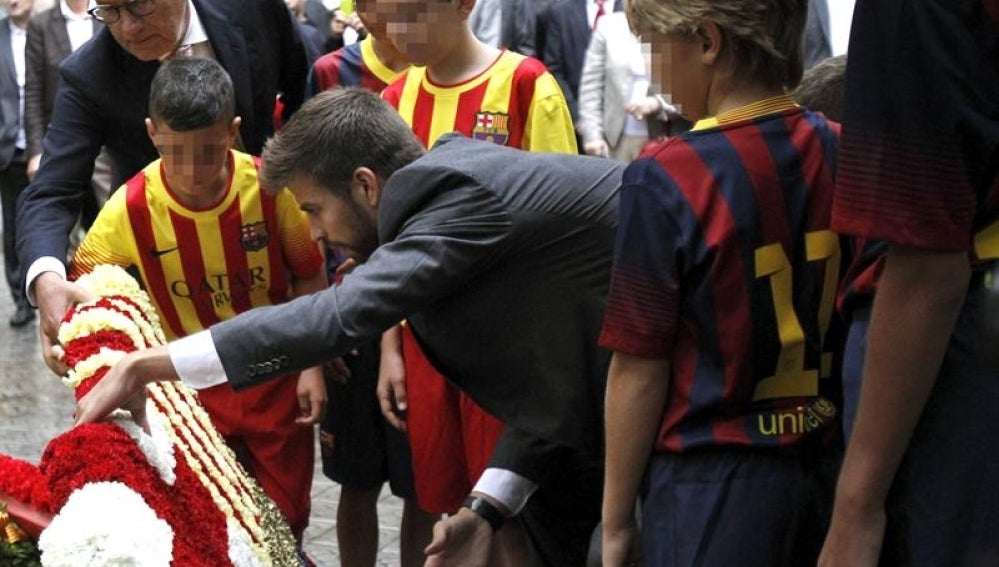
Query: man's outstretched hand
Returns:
{"type": "Point", "coordinates": [55, 296]}
{"type": "Point", "coordinates": [124, 386]}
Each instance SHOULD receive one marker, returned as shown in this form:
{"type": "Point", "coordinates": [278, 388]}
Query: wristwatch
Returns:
{"type": "Point", "coordinates": [485, 510]}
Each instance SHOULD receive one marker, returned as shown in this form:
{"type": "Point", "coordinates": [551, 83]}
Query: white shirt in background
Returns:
{"type": "Point", "coordinates": [80, 28]}
{"type": "Point", "coordinates": [840, 19]}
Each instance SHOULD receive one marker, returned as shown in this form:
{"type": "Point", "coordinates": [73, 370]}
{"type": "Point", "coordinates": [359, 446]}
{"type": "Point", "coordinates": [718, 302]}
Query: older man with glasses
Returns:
{"type": "Point", "coordinates": [102, 100]}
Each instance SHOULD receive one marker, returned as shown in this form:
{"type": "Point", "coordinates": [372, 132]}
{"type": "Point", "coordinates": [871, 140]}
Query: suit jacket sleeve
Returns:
{"type": "Point", "coordinates": [554, 57]}
{"type": "Point", "coordinates": [49, 207]}
{"type": "Point", "coordinates": [591, 90]}
{"type": "Point", "coordinates": [448, 240]}
{"type": "Point", "coordinates": [34, 87]}
{"type": "Point", "coordinates": [528, 455]}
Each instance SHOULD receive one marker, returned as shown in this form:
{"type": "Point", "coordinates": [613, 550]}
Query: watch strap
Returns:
{"type": "Point", "coordinates": [485, 510]}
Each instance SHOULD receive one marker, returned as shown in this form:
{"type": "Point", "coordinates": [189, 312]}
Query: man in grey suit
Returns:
{"type": "Point", "coordinates": [499, 259]}
{"type": "Point", "coordinates": [13, 144]}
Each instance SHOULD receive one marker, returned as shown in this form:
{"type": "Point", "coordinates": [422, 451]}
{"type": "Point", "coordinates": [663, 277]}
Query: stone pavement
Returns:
{"type": "Point", "coordinates": [35, 407]}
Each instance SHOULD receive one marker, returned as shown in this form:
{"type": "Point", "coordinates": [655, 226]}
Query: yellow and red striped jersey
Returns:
{"type": "Point", "coordinates": [203, 266]}
{"type": "Point", "coordinates": [515, 102]}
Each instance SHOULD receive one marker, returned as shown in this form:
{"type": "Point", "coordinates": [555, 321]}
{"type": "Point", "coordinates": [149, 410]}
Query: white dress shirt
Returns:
{"type": "Point", "coordinates": [18, 41]}
{"type": "Point", "coordinates": [79, 27]}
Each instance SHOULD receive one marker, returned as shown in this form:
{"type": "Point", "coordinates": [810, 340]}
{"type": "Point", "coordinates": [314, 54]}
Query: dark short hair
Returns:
{"type": "Point", "coordinates": [191, 93]}
{"type": "Point", "coordinates": [823, 88]}
{"type": "Point", "coordinates": [332, 135]}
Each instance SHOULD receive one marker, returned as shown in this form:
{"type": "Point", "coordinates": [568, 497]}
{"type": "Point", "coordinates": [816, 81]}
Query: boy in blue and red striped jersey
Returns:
{"type": "Point", "coordinates": [209, 243]}
{"type": "Point", "coordinates": [372, 63]}
{"type": "Point", "coordinates": [723, 386]}
{"type": "Point", "coordinates": [920, 479]}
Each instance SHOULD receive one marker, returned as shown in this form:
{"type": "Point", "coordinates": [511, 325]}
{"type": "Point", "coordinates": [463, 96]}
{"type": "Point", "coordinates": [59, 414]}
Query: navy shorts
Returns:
{"type": "Point", "coordinates": [360, 450]}
{"type": "Point", "coordinates": [735, 506]}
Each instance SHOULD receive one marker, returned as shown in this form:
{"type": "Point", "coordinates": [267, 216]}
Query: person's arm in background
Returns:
{"type": "Point", "coordinates": [554, 56]}
{"type": "Point", "coordinates": [50, 206]}
{"type": "Point", "coordinates": [915, 309]}
{"type": "Point", "coordinates": [312, 395]}
{"type": "Point", "coordinates": [636, 395]}
{"type": "Point", "coordinates": [294, 60]}
{"type": "Point", "coordinates": [591, 98]}
{"type": "Point", "coordinates": [34, 94]}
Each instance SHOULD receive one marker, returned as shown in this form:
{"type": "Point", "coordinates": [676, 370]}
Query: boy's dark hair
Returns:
{"type": "Point", "coordinates": [191, 93]}
{"type": "Point", "coordinates": [762, 38]}
{"type": "Point", "coordinates": [332, 135]}
{"type": "Point", "coordinates": [823, 88]}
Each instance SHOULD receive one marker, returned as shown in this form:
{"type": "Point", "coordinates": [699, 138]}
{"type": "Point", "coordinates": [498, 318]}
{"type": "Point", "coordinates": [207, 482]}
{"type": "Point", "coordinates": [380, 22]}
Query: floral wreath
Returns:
{"type": "Point", "coordinates": [121, 496]}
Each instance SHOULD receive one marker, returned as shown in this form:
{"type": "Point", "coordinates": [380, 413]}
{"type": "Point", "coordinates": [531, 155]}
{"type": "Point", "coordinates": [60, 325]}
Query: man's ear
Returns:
{"type": "Point", "coordinates": [465, 8]}
{"type": "Point", "coordinates": [368, 186]}
{"type": "Point", "coordinates": [151, 130]}
{"type": "Point", "coordinates": [711, 40]}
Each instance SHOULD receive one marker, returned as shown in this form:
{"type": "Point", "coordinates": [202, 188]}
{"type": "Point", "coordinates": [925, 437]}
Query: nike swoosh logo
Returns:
{"type": "Point", "coordinates": [157, 253]}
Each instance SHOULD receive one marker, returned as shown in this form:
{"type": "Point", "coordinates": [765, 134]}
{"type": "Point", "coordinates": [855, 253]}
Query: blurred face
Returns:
{"type": "Point", "coordinates": [18, 10]}
{"type": "Point", "coordinates": [338, 220]}
{"type": "Point", "coordinates": [154, 35]}
{"type": "Point", "coordinates": [195, 162]}
{"type": "Point", "coordinates": [679, 73]}
{"type": "Point", "coordinates": [424, 31]}
{"type": "Point", "coordinates": [294, 5]}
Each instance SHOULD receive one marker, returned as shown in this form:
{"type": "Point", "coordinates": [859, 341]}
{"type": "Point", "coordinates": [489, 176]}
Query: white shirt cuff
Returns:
{"type": "Point", "coordinates": [39, 267]}
{"type": "Point", "coordinates": [507, 487]}
{"type": "Point", "coordinates": [196, 361]}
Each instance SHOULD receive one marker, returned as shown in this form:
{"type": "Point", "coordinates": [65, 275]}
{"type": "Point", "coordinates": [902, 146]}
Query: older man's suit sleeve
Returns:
{"type": "Point", "coordinates": [49, 207]}
{"type": "Point", "coordinates": [442, 243]}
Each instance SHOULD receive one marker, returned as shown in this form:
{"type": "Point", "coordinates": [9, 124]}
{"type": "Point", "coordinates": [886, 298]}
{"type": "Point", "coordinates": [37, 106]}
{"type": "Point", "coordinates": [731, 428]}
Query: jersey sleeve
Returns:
{"type": "Point", "coordinates": [549, 124]}
{"type": "Point", "coordinates": [109, 240]}
{"type": "Point", "coordinates": [644, 298]}
{"type": "Point", "coordinates": [300, 251]}
{"type": "Point", "coordinates": [920, 135]}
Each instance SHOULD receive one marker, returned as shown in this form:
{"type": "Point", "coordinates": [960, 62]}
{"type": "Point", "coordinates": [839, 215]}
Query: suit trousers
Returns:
{"type": "Point", "coordinates": [13, 180]}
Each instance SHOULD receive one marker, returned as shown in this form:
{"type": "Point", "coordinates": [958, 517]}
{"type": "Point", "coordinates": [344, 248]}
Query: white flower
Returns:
{"type": "Point", "coordinates": [241, 551]}
{"type": "Point", "coordinates": [157, 447]}
{"type": "Point", "coordinates": [106, 524]}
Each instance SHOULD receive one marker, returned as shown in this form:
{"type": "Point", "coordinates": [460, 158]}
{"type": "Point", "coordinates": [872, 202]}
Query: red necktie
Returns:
{"type": "Point", "coordinates": [600, 12]}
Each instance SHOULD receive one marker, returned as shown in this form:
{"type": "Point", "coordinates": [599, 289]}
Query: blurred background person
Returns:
{"type": "Point", "coordinates": [617, 115]}
{"type": "Point", "coordinates": [54, 34]}
{"type": "Point", "coordinates": [13, 144]}
{"type": "Point", "coordinates": [563, 34]}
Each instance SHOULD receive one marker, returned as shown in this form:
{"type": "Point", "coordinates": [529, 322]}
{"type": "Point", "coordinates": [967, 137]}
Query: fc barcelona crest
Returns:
{"type": "Point", "coordinates": [491, 127]}
{"type": "Point", "coordinates": [254, 236]}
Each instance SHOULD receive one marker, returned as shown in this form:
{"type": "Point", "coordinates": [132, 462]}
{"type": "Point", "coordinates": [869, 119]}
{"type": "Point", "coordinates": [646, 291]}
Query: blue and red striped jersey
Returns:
{"type": "Point", "coordinates": [355, 65]}
{"type": "Point", "coordinates": [725, 265]}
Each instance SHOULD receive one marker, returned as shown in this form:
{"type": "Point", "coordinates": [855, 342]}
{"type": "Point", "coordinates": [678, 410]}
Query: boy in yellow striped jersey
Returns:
{"type": "Point", "coordinates": [457, 83]}
{"type": "Point", "coordinates": [208, 243]}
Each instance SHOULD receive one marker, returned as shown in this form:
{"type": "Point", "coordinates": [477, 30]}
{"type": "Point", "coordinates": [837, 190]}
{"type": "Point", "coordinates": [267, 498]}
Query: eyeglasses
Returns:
{"type": "Point", "coordinates": [111, 14]}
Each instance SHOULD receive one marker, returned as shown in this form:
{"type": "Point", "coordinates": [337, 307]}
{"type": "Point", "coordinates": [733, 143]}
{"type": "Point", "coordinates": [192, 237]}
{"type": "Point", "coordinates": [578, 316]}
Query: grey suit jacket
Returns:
{"type": "Point", "coordinates": [10, 98]}
{"type": "Point", "coordinates": [500, 260]}
{"type": "Point", "coordinates": [48, 44]}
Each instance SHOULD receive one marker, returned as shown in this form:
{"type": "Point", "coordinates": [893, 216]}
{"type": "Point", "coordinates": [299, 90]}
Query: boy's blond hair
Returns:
{"type": "Point", "coordinates": [762, 38]}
